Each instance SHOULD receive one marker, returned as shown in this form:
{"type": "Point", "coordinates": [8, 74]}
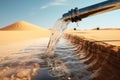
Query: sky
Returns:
{"type": "Point", "coordinates": [45, 13]}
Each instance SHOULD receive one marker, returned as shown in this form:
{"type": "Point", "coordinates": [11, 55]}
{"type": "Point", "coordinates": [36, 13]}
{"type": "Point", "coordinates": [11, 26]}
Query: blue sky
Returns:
{"type": "Point", "coordinates": [44, 13]}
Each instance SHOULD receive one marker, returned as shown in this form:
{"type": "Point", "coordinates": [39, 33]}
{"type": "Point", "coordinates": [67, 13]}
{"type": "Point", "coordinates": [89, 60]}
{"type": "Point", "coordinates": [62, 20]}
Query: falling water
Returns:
{"type": "Point", "coordinates": [58, 67]}
{"type": "Point", "coordinates": [57, 32]}
{"type": "Point", "coordinates": [29, 62]}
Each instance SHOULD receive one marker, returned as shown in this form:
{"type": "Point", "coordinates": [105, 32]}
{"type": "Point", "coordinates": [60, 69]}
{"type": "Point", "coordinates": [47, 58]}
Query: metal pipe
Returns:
{"type": "Point", "coordinates": [76, 14]}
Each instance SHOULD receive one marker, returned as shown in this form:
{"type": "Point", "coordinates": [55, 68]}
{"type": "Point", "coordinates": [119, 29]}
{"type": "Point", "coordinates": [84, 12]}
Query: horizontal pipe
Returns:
{"type": "Point", "coordinates": [76, 14]}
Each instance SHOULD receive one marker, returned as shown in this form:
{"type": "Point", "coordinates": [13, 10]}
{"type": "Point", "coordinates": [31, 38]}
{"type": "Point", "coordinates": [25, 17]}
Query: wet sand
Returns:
{"type": "Point", "coordinates": [99, 50]}
{"type": "Point", "coordinates": [15, 59]}
{"type": "Point", "coordinates": [27, 64]}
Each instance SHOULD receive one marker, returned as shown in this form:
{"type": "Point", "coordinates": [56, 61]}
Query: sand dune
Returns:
{"type": "Point", "coordinates": [18, 35]}
{"type": "Point", "coordinates": [21, 31]}
{"type": "Point", "coordinates": [22, 25]}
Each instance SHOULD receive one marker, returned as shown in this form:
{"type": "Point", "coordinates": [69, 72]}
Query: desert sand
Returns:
{"type": "Point", "coordinates": [99, 50]}
{"type": "Point", "coordinates": [14, 40]}
{"type": "Point", "coordinates": [16, 36]}
{"type": "Point", "coordinates": [108, 36]}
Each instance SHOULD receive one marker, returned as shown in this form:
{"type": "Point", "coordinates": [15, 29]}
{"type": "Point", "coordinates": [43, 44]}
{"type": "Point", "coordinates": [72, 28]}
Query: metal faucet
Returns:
{"type": "Point", "coordinates": [75, 15]}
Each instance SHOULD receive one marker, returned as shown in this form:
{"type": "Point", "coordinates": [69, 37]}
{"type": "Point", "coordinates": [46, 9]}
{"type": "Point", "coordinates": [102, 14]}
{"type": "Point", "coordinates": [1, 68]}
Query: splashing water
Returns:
{"type": "Point", "coordinates": [58, 67]}
{"type": "Point", "coordinates": [57, 32]}
{"type": "Point", "coordinates": [28, 63]}
{"type": "Point", "coordinates": [52, 61]}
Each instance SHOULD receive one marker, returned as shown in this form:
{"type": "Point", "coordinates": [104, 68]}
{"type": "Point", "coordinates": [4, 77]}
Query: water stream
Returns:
{"type": "Point", "coordinates": [58, 67]}
{"type": "Point", "coordinates": [60, 63]}
{"type": "Point", "coordinates": [27, 63]}
{"type": "Point", "coordinates": [57, 32]}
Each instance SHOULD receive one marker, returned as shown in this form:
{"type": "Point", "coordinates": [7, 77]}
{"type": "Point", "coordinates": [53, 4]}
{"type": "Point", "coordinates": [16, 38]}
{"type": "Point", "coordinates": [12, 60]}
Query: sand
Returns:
{"type": "Point", "coordinates": [21, 34]}
{"type": "Point", "coordinates": [100, 56]}
{"type": "Point", "coordinates": [14, 40]}
{"type": "Point", "coordinates": [18, 35]}
{"type": "Point", "coordinates": [108, 36]}
{"type": "Point", "coordinates": [22, 26]}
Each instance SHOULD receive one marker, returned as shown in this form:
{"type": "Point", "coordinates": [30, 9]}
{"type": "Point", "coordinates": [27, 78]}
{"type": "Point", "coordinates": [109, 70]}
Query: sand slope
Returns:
{"type": "Point", "coordinates": [16, 36]}
{"type": "Point", "coordinates": [99, 50]}
{"type": "Point", "coordinates": [22, 25]}
{"type": "Point", "coordinates": [21, 31]}
{"type": "Point", "coordinates": [100, 58]}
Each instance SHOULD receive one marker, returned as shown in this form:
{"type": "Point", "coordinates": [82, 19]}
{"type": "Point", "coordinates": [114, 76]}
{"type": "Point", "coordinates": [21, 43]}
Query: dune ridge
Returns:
{"type": "Point", "coordinates": [22, 25]}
